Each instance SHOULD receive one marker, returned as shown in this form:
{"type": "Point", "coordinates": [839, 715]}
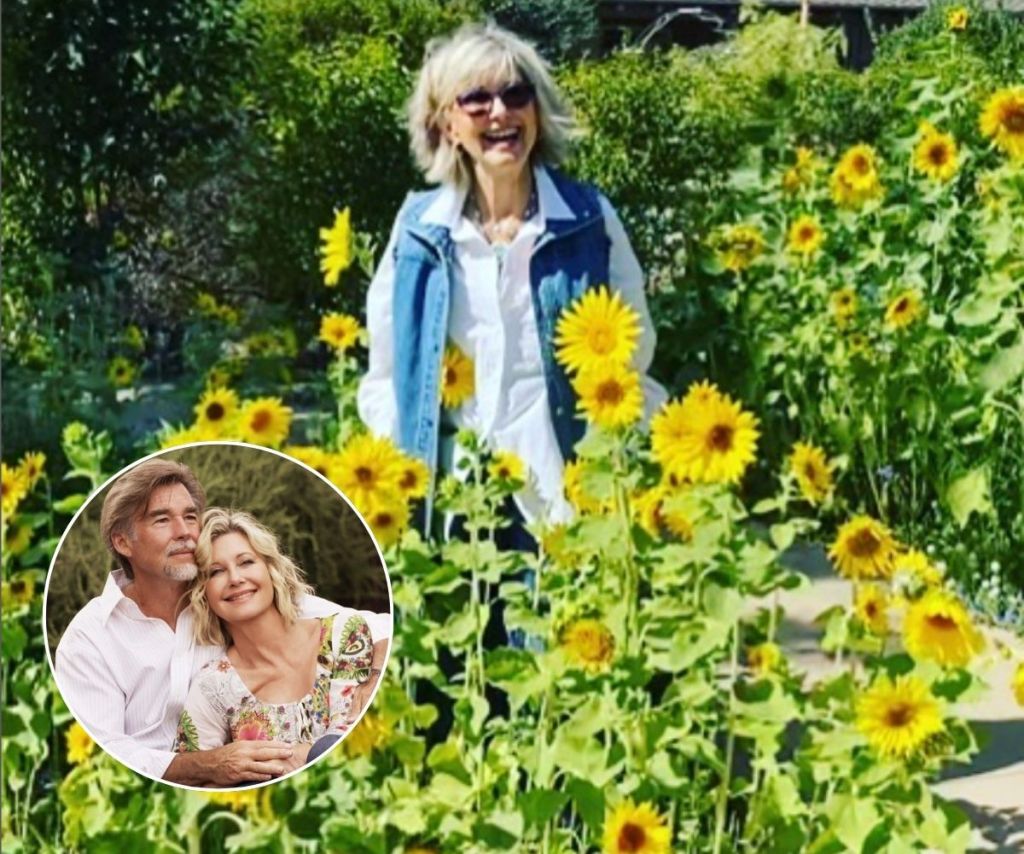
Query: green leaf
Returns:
{"type": "Point", "coordinates": [69, 504]}
{"type": "Point", "coordinates": [14, 639]}
{"type": "Point", "coordinates": [501, 830]}
{"type": "Point", "coordinates": [589, 800]}
{"type": "Point", "coordinates": [969, 494]}
{"type": "Point", "coordinates": [853, 818]}
{"type": "Point", "coordinates": [539, 806]}
{"type": "Point", "coordinates": [1003, 368]}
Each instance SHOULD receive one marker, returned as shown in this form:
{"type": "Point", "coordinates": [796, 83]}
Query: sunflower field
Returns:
{"type": "Point", "coordinates": [836, 271]}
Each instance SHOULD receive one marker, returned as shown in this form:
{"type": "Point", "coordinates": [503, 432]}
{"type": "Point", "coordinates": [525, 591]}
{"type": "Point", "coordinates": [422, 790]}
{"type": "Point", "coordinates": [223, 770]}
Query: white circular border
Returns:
{"type": "Point", "coordinates": [248, 446]}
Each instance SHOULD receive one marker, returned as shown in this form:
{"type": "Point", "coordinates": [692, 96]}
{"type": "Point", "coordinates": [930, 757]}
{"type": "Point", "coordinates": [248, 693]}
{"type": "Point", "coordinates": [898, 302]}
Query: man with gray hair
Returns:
{"type": "Point", "coordinates": [126, 660]}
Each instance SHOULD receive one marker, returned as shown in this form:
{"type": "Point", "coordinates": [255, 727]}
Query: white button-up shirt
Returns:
{"type": "Point", "coordinates": [125, 676]}
{"type": "Point", "coordinates": [492, 320]}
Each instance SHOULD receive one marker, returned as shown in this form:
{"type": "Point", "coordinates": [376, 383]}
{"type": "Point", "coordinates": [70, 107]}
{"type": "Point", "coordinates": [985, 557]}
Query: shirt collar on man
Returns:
{"type": "Point", "coordinates": [113, 593]}
{"type": "Point", "coordinates": [446, 209]}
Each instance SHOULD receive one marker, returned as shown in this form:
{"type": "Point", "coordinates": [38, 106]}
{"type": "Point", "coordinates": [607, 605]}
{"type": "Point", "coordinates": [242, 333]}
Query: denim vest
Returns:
{"type": "Point", "coordinates": [569, 257]}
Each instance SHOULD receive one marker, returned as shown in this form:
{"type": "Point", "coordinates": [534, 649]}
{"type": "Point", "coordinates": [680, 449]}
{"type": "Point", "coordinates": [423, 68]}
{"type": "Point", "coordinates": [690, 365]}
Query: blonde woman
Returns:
{"type": "Point", "coordinates": [281, 678]}
{"type": "Point", "coordinates": [486, 262]}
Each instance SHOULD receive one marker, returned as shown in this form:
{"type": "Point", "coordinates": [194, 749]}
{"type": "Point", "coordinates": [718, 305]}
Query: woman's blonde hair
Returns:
{"type": "Point", "coordinates": [459, 61]}
{"type": "Point", "coordinates": [285, 576]}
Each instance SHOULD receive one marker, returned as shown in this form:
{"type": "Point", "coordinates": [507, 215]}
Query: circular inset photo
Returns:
{"type": "Point", "coordinates": [217, 615]}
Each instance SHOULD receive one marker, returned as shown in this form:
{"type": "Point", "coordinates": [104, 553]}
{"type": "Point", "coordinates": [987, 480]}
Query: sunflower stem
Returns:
{"type": "Point", "coordinates": [722, 799]}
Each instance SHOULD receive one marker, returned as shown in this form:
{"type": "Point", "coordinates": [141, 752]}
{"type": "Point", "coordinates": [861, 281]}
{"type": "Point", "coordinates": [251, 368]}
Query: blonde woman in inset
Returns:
{"type": "Point", "coordinates": [281, 678]}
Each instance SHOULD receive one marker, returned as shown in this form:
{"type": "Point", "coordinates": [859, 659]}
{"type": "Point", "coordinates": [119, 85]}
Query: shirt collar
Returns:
{"type": "Point", "coordinates": [113, 593]}
{"type": "Point", "coordinates": [446, 209]}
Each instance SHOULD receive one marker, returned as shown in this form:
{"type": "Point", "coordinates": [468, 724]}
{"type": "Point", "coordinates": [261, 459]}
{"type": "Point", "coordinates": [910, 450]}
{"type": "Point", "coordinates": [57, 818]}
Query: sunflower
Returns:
{"type": "Point", "coordinates": [371, 733]}
{"type": "Point", "coordinates": [14, 487]}
{"type": "Point", "coordinates": [802, 172]}
{"type": "Point", "coordinates": [457, 378]}
{"type": "Point", "coordinates": [1002, 120]}
{"type": "Point", "coordinates": [589, 643]}
{"type": "Point", "coordinates": [21, 588]}
{"type": "Point", "coordinates": [235, 801]}
{"type": "Point", "coordinates": [957, 19]}
{"type": "Point", "coordinates": [264, 421]}
{"type": "Point", "coordinates": [609, 395]}
{"type": "Point", "coordinates": [579, 498]}
{"type": "Point", "coordinates": [812, 471]}
{"type": "Point", "coordinates": [899, 716]}
{"type": "Point", "coordinates": [336, 250]}
{"type": "Point", "coordinates": [1018, 684]}
{"type": "Point", "coordinates": [120, 372]}
{"type": "Point", "coordinates": [805, 236]}
{"type": "Point", "coordinates": [843, 304]}
{"type": "Point", "coordinates": [19, 538]}
{"type": "Point", "coordinates": [701, 393]}
{"type": "Point", "coordinates": [739, 246]}
{"type": "Point", "coordinates": [871, 607]}
{"type": "Point", "coordinates": [32, 467]}
{"type": "Point", "coordinates": [133, 338]}
{"type": "Point", "coordinates": [938, 628]}
{"type": "Point", "coordinates": [635, 829]}
{"type": "Point", "coordinates": [507, 466]}
{"type": "Point", "coordinates": [935, 154]}
{"type": "Point", "coordinates": [764, 658]}
{"type": "Point", "coordinates": [187, 435]}
{"type": "Point", "coordinates": [855, 179]}
{"type": "Point", "coordinates": [903, 309]}
{"type": "Point", "coordinates": [413, 478]}
{"type": "Point", "coordinates": [80, 744]}
{"type": "Point", "coordinates": [340, 331]}
{"type": "Point", "coordinates": [216, 409]}
{"type": "Point", "coordinates": [369, 468]}
{"type": "Point", "coordinates": [711, 442]}
{"type": "Point", "coordinates": [321, 461]}
{"type": "Point", "coordinates": [863, 548]}
{"type": "Point", "coordinates": [388, 517]}
{"type": "Point", "coordinates": [917, 564]}
{"type": "Point", "coordinates": [655, 512]}
{"type": "Point", "coordinates": [598, 327]}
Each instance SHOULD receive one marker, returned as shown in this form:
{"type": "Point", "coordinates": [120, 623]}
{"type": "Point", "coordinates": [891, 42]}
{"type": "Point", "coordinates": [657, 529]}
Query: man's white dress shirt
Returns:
{"type": "Point", "coordinates": [125, 676]}
{"type": "Point", "coordinates": [492, 321]}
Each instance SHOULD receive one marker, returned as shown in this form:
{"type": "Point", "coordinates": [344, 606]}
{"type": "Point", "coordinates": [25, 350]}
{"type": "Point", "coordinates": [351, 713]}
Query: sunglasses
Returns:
{"type": "Point", "coordinates": [478, 102]}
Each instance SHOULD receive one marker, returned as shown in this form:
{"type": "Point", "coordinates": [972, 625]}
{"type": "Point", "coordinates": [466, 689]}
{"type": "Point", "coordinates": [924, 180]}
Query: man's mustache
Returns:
{"type": "Point", "coordinates": [188, 546]}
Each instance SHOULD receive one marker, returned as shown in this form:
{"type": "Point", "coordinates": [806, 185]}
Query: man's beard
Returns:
{"type": "Point", "coordinates": [181, 571]}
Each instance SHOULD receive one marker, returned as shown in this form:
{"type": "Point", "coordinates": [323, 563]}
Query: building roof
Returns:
{"type": "Point", "coordinates": [656, 7]}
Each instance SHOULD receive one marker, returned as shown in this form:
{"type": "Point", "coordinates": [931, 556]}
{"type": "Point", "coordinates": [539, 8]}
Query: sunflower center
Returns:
{"type": "Point", "coordinates": [261, 421]}
{"type": "Point", "coordinates": [810, 472]}
{"type": "Point", "coordinates": [18, 587]}
{"type": "Point", "coordinates": [901, 305]}
{"type": "Point", "coordinates": [632, 838]}
{"type": "Point", "coordinates": [941, 622]}
{"type": "Point", "coordinates": [383, 520]}
{"type": "Point", "coordinates": [899, 715]}
{"type": "Point", "coordinates": [408, 480]}
{"type": "Point", "coordinates": [364, 474]}
{"type": "Point", "coordinates": [601, 340]}
{"type": "Point", "coordinates": [610, 393]}
{"type": "Point", "coordinates": [860, 165]}
{"type": "Point", "coordinates": [720, 438]}
{"type": "Point", "coordinates": [214, 412]}
{"type": "Point", "coordinates": [938, 154]}
{"type": "Point", "coordinates": [1013, 119]}
{"type": "Point", "coordinates": [865, 543]}
{"type": "Point", "coordinates": [451, 376]}
{"type": "Point", "coordinates": [871, 609]}
{"type": "Point", "coordinates": [807, 233]}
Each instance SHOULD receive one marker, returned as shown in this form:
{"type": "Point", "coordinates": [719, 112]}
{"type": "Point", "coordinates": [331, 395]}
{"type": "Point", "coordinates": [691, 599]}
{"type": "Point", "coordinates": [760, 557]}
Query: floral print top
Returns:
{"type": "Point", "coordinates": [221, 709]}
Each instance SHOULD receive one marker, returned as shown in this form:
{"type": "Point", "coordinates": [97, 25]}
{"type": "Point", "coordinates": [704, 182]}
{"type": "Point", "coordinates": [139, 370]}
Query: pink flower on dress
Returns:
{"type": "Point", "coordinates": [252, 726]}
{"type": "Point", "coordinates": [223, 665]}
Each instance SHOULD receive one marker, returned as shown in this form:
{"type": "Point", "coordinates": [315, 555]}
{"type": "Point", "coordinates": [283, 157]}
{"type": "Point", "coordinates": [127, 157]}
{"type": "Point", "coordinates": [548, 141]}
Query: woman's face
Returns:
{"type": "Point", "coordinates": [496, 134]}
{"type": "Point", "coordinates": [238, 585]}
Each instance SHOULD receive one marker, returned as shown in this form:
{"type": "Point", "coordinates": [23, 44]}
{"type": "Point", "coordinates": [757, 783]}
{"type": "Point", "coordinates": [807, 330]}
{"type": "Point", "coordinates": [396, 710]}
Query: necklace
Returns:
{"type": "Point", "coordinates": [505, 230]}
